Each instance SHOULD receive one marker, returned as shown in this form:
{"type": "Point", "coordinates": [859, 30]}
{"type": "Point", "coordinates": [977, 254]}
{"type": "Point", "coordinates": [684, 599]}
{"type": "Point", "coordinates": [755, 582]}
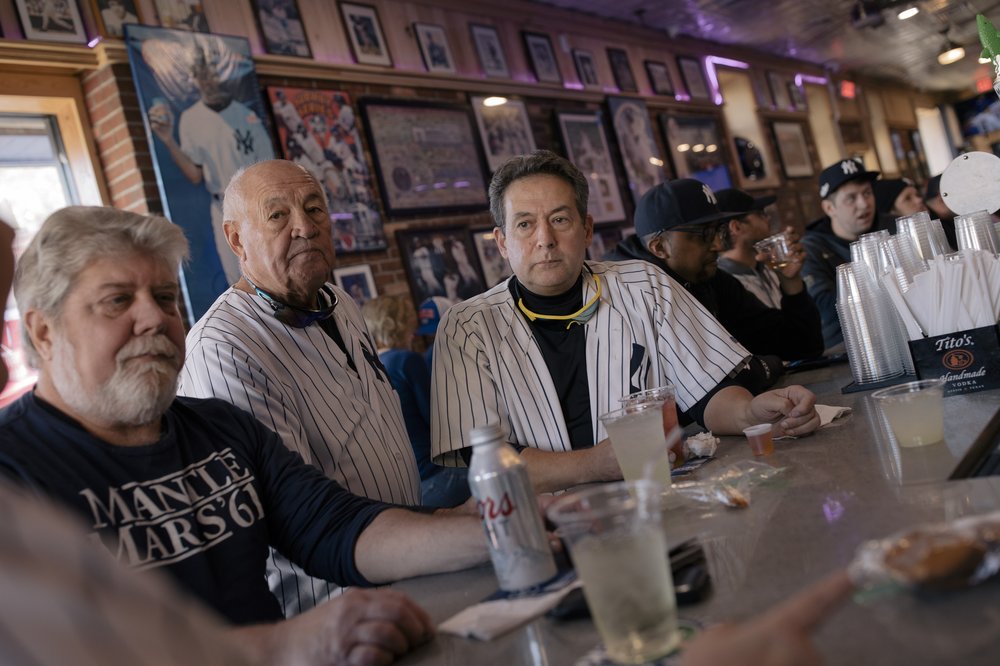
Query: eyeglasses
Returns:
{"type": "Point", "coordinates": [706, 233]}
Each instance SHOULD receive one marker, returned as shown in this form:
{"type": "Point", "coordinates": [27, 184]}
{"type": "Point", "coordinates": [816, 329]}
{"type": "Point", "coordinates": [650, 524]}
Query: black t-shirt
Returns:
{"type": "Point", "coordinates": [565, 354]}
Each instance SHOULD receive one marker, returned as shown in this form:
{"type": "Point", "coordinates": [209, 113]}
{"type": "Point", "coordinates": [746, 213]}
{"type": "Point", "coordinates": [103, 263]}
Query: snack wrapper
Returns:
{"type": "Point", "coordinates": [731, 487]}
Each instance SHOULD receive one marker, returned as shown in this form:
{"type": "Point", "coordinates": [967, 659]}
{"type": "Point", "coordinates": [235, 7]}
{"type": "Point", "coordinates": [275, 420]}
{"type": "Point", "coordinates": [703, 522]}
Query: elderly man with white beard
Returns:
{"type": "Point", "coordinates": [196, 487]}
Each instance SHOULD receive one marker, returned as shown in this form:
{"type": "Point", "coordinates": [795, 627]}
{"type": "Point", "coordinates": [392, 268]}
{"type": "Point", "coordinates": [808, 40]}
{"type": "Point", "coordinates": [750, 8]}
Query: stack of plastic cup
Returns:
{"type": "Point", "coordinates": [918, 229]}
{"type": "Point", "coordinates": [870, 250]}
{"type": "Point", "coordinates": [906, 259]}
{"type": "Point", "coordinates": [870, 329]}
{"type": "Point", "coordinates": [975, 231]}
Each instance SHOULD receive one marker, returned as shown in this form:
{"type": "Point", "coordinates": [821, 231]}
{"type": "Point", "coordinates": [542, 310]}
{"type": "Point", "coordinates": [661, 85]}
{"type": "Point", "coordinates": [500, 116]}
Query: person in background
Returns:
{"type": "Point", "coordinates": [848, 203]}
{"type": "Point", "coordinates": [392, 323]}
{"type": "Point", "coordinates": [429, 316]}
{"type": "Point", "coordinates": [896, 197]}
{"type": "Point", "coordinates": [939, 209]}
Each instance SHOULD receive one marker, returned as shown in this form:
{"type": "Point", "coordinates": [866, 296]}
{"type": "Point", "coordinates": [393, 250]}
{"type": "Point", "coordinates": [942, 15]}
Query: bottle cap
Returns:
{"type": "Point", "coordinates": [487, 434]}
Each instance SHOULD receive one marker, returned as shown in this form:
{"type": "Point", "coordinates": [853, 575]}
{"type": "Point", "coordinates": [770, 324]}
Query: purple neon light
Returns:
{"type": "Point", "coordinates": [711, 62]}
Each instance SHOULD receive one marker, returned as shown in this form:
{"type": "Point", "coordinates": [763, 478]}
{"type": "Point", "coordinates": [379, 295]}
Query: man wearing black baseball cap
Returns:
{"type": "Point", "coordinates": [849, 204]}
{"type": "Point", "coordinates": [677, 227]}
{"type": "Point", "coordinates": [738, 257]}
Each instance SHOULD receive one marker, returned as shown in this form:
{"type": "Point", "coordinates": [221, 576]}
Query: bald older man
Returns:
{"type": "Point", "coordinates": [292, 349]}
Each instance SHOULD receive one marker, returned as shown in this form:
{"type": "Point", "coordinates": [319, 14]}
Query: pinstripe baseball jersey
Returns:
{"type": "Point", "coordinates": [647, 330]}
{"type": "Point", "coordinates": [296, 381]}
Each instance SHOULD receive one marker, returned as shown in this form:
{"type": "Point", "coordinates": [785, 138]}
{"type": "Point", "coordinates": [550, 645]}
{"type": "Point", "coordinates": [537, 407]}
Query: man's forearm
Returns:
{"type": "Point", "coordinates": [557, 470]}
{"type": "Point", "coordinates": [728, 412]}
{"type": "Point", "coordinates": [401, 544]}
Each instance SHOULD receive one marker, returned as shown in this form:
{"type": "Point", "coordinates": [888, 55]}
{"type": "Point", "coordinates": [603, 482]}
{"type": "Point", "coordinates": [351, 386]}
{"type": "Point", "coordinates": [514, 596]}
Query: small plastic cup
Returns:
{"type": "Point", "coordinates": [778, 250]}
{"type": "Point", "coordinates": [914, 410]}
{"type": "Point", "coordinates": [760, 438]}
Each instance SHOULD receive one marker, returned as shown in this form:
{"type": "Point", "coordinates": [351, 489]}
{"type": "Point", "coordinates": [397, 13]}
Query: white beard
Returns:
{"type": "Point", "coordinates": [137, 394]}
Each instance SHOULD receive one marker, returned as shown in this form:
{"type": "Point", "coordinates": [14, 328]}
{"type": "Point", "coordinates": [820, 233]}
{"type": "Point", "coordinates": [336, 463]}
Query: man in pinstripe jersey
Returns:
{"type": "Point", "coordinates": [558, 344]}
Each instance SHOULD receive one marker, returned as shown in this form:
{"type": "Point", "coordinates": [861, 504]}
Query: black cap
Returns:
{"type": "Point", "coordinates": [933, 188]}
{"type": "Point", "coordinates": [738, 201]}
{"type": "Point", "coordinates": [842, 172]}
{"type": "Point", "coordinates": [887, 190]}
{"type": "Point", "coordinates": [678, 203]}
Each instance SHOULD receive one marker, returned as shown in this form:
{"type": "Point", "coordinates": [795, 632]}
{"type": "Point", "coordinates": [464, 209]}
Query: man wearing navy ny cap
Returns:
{"type": "Point", "coordinates": [849, 207]}
{"type": "Point", "coordinates": [678, 227]}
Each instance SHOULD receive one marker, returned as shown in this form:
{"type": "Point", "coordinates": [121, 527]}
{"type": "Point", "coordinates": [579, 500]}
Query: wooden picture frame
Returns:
{"type": "Point", "coordinates": [62, 24]}
{"type": "Point", "coordinates": [622, 70]}
{"type": "Point", "coordinates": [636, 145]}
{"type": "Point", "coordinates": [486, 39]}
{"type": "Point", "coordinates": [779, 93]}
{"type": "Point", "coordinates": [434, 48]}
{"type": "Point", "coordinates": [710, 163]}
{"type": "Point", "coordinates": [793, 150]}
{"type": "Point", "coordinates": [364, 33]}
{"type": "Point", "coordinates": [281, 27]}
{"type": "Point", "coordinates": [798, 97]}
{"type": "Point", "coordinates": [606, 237]}
{"type": "Point", "coordinates": [427, 156]}
{"type": "Point", "coordinates": [440, 261]}
{"type": "Point", "coordinates": [182, 15]}
{"type": "Point", "coordinates": [587, 147]}
{"type": "Point", "coordinates": [659, 77]}
{"type": "Point", "coordinates": [504, 130]}
{"type": "Point", "coordinates": [496, 269]}
{"type": "Point", "coordinates": [586, 68]}
{"type": "Point", "coordinates": [693, 75]}
{"type": "Point", "coordinates": [112, 15]}
{"type": "Point", "coordinates": [542, 57]}
{"type": "Point", "coordinates": [357, 281]}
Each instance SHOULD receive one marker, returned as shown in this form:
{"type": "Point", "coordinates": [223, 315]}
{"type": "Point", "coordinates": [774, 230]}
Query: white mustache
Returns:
{"type": "Point", "coordinates": [157, 345]}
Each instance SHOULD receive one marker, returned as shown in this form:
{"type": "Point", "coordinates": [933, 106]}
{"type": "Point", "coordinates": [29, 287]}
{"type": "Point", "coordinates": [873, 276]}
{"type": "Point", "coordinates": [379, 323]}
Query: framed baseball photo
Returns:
{"type": "Point", "coordinates": [779, 93]}
{"type": "Point", "coordinates": [798, 97]}
{"type": "Point", "coordinates": [790, 138]}
{"type": "Point", "coordinates": [639, 152]}
{"type": "Point", "coordinates": [112, 15]}
{"type": "Point", "coordinates": [440, 262]}
{"type": "Point", "coordinates": [698, 148]}
{"type": "Point", "coordinates": [495, 267]}
{"type": "Point", "coordinates": [490, 51]}
{"type": "Point", "coordinates": [357, 281]}
{"type": "Point", "coordinates": [364, 32]}
{"type": "Point", "coordinates": [504, 130]}
{"type": "Point", "coordinates": [542, 57]}
{"type": "Point", "coordinates": [427, 157]}
{"type": "Point", "coordinates": [434, 49]}
{"type": "Point", "coordinates": [586, 70]}
{"type": "Point", "coordinates": [587, 148]}
{"type": "Point", "coordinates": [622, 70]}
{"type": "Point", "coordinates": [659, 78]}
{"type": "Point", "coordinates": [182, 15]}
{"type": "Point", "coordinates": [51, 20]}
{"type": "Point", "coordinates": [694, 78]}
{"type": "Point", "coordinates": [281, 26]}
{"type": "Point", "coordinates": [318, 131]}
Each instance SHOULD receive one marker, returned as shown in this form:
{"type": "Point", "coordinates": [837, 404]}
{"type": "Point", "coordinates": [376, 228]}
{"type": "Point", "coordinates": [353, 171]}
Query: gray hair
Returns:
{"type": "Point", "coordinates": [74, 237]}
{"type": "Point", "coordinates": [540, 162]}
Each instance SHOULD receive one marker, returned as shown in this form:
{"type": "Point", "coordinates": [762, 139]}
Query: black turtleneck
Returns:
{"type": "Point", "coordinates": [565, 354]}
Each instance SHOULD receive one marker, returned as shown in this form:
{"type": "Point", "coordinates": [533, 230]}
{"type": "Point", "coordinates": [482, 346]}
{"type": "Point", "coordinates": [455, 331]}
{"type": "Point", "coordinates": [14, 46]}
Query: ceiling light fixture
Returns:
{"type": "Point", "coordinates": [952, 53]}
{"type": "Point", "coordinates": [909, 12]}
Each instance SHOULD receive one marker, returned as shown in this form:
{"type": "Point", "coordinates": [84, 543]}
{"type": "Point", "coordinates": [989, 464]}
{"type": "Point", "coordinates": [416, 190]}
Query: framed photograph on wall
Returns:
{"type": "Point", "coordinates": [542, 57]}
{"type": "Point", "coordinates": [659, 78]}
{"type": "Point", "coordinates": [790, 138]}
{"type": "Point", "coordinates": [779, 93]}
{"type": "Point", "coordinates": [639, 152]}
{"type": "Point", "coordinates": [112, 15]}
{"type": "Point", "coordinates": [694, 78]}
{"type": "Point", "coordinates": [434, 49]}
{"type": "Point", "coordinates": [281, 25]}
{"type": "Point", "coordinates": [586, 71]}
{"type": "Point", "coordinates": [317, 130]}
{"type": "Point", "coordinates": [698, 148]}
{"type": "Point", "coordinates": [426, 156]}
{"type": "Point", "coordinates": [364, 32]}
{"type": "Point", "coordinates": [504, 130]}
{"type": "Point", "coordinates": [179, 114]}
{"type": "Point", "coordinates": [440, 262]}
{"type": "Point", "coordinates": [357, 281]}
{"type": "Point", "coordinates": [622, 70]}
{"type": "Point", "coordinates": [51, 21]}
{"type": "Point", "coordinates": [495, 267]}
{"type": "Point", "coordinates": [182, 15]}
{"type": "Point", "coordinates": [798, 97]}
{"type": "Point", "coordinates": [491, 56]}
{"type": "Point", "coordinates": [606, 236]}
{"type": "Point", "coordinates": [587, 147]}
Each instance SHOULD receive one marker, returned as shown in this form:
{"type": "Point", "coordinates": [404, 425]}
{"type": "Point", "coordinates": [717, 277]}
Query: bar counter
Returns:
{"type": "Point", "coordinates": [842, 486]}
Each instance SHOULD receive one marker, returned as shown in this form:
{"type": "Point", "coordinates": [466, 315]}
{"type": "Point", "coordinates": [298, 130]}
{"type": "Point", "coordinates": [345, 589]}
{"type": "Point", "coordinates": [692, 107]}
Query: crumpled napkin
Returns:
{"type": "Point", "coordinates": [489, 619]}
{"type": "Point", "coordinates": [828, 414]}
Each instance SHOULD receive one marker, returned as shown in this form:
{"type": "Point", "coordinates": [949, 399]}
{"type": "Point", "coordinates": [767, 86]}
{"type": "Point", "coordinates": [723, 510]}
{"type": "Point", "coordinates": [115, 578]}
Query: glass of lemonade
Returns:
{"type": "Point", "coordinates": [617, 543]}
{"type": "Point", "coordinates": [915, 411]}
{"type": "Point", "coordinates": [666, 394]}
{"type": "Point", "coordinates": [636, 433]}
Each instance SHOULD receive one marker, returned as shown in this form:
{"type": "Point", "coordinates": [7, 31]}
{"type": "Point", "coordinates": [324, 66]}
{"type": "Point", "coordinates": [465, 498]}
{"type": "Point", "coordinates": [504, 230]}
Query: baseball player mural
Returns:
{"type": "Point", "coordinates": [205, 120]}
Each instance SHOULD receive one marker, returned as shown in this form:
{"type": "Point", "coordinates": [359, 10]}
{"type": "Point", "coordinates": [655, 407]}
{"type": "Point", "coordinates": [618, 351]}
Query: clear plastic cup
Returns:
{"type": "Point", "coordinates": [761, 439]}
{"type": "Point", "coordinates": [617, 543]}
{"type": "Point", "coordinates": [778, 249]}
{"type": "Point", "coordinates": [914, 410]}
{"type": "Point", "coordinates": [636, 433]}
{"type": "Point", "coordinates": [667, 395]}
